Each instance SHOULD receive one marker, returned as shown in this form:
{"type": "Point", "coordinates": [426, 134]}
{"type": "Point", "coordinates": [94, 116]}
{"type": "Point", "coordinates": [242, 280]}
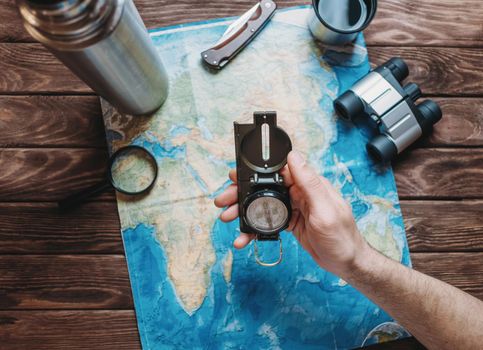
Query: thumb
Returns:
{"type": "Point", "coordinates": [305, 177]}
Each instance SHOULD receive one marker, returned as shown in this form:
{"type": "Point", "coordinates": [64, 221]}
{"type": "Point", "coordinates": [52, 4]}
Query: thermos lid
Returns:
{"type": "Point", "coordinates": [70, 24]}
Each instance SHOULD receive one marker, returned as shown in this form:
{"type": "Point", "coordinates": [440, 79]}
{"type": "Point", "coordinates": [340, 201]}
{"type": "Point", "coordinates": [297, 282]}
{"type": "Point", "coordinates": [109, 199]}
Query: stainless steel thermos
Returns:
{"type": "Point", "coordinates": [337, 22]}
{"type": "Point", "coordinates": [105, 43]}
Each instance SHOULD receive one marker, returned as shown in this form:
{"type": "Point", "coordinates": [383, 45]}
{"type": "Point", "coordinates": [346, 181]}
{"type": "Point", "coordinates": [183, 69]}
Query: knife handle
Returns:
{"type": "Point", "coordinates": [217, 57]}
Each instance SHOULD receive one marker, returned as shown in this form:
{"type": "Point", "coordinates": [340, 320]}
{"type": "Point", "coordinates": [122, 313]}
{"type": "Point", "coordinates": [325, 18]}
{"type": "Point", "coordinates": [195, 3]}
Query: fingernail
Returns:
{"type": "Point", "coordinates": [297, 158]}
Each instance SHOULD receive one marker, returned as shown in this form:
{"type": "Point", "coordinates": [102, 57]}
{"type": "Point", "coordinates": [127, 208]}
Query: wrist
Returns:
{"type": "Point", "coordinates": [365, 260]}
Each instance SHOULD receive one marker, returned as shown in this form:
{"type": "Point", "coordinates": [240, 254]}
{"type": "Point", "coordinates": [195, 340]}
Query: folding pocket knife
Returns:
{"type": "Point", "coordinates": [239, 34]}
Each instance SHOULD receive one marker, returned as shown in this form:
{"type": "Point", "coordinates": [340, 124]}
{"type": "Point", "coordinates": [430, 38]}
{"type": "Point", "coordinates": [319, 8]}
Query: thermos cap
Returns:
{"type": "Point", "coordinates": [70, 24]}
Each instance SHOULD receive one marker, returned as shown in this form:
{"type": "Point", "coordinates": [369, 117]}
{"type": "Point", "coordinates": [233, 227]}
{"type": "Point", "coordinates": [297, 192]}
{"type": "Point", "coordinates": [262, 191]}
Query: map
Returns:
{"type": "Point", "coordinates": [191, 288]}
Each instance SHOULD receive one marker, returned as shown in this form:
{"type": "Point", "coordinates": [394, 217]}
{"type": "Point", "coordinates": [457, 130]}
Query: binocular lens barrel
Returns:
{"type": "Point", "coordinates": [348, 106]}
{"type": "Point", "coordinates": [382, 149]}
{"type": "Point", "coordinates": [431, 114]}
{"type": "Point", "coordinates": [398, 67]}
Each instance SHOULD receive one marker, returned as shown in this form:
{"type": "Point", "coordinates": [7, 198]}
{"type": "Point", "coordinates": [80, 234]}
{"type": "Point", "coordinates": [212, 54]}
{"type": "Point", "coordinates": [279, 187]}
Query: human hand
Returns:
{"type": "Point", "coordinates": [322, 220]}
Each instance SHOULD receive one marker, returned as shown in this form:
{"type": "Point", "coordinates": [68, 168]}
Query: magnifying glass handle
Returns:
{"type": "Point", "coordinates": [74, 200]}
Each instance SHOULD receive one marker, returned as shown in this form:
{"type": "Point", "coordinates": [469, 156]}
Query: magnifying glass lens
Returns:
{"type": "Point", "coordinates": [133, 170]}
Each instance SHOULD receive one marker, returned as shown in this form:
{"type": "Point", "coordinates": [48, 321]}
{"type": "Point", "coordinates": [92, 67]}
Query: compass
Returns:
{"type": "Point", "coordinates": [264, 202]}
{"type": "Point", "coordinates": [267, 211]}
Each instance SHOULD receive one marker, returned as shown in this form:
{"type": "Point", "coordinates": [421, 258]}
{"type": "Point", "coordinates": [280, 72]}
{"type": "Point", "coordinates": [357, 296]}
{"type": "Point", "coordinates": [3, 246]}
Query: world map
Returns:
{"type": "Point", "coordinates": [191, 288]}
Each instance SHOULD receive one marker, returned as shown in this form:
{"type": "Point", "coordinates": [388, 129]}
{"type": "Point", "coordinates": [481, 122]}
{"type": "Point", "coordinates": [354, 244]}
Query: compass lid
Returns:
{"type": "Point", "coordinates": [265, 148]}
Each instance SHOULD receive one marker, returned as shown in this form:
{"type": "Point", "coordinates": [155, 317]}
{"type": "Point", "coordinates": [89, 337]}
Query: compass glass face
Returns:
{"type": "Point", "coordinates": [267, 214]}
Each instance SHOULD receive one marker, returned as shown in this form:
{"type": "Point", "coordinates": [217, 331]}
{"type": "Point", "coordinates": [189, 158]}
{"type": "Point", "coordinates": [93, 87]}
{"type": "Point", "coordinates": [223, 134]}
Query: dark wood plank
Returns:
{"type": "Point", "coordinates": [101, 281]}
{"type": "Point", "coordinates": [64, 282]}
{"type": "Point", "coordinates": [439, 71]}
{"type": "Point", "coordinates": [11, 28]}
{"type": "Point", "coordinates": [76, 121]}
{"type": "Point", "coordinates": [443, 225]}
{"type": "Point", "coordinates": [38, 228]}
{"type": "Point", "coordinates": [50, 330]}
{"type": "Point", "coordinates": [66, 121]}
{"type": "Point", "coordinates": [29, 68]}
{"type": "Point", "coordinates": [462, 270]}
{"type": "Point", "coordinates": [428, 22]}
{"type": "Point", "coordinates": [462, 123]}
{"type": "Point", "coordinates": [51, 174]}
{"type": "Point", "coordinates": [440, 173]}
{"type": "Point", "coordinates": [432, 22]}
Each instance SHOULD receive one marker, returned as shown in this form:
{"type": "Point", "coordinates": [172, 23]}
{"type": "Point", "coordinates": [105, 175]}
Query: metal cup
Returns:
{"type": "Point", "coordinates": [337, 22]}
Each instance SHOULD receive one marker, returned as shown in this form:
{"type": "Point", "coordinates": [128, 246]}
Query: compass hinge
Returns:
{"type": "Point", "coordinates": [274, 179]}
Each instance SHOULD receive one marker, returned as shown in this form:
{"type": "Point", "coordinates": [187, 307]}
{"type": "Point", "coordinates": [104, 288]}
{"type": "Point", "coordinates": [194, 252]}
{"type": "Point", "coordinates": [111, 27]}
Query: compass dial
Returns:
{"type": "Point", "coordinates": [267, 214]}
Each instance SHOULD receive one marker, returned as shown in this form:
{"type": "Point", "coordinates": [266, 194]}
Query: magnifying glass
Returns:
{"type": "Point", "coordinates": [132, 171]}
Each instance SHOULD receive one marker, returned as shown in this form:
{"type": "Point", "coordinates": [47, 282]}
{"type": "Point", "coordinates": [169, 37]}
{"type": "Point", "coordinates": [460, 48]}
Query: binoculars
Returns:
{"type": "Point", "coordinates": [390, 107]}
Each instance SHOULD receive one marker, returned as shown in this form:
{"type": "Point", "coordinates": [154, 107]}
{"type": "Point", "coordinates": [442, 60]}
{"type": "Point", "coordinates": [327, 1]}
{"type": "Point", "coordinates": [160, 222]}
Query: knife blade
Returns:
{"type": "Point", "coordinates": [236, 25]}
{"type": "Point", "coordinates": [239, 34]}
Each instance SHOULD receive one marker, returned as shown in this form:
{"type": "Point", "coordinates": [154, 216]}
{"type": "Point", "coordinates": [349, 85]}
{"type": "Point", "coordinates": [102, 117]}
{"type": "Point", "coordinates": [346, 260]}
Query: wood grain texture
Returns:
{"type": "Point", "coordinates": [440, 173]}
{"type": "Point", "coordinates": [439, 71]}
{"type": "Point", "coordinates": [76, 121]}
{"type": "Point", "coordinates": [101, 281]}
{"type": "Point", "coordinates": [443, 225]}
{"type": "Point", "coordinates": [65, 121]}
{"type": "Point", "coordinates": [430, 22]}
{"type": "Point", "coordinates": [51, 174]}
{"type": "Point", "coordinates": [463, 270]}
{"type": "Point", "coordinates": [64, 282]}
{"type": "Point", "coordinates": [29, 68]}
{"type": "Point", "coordinates": [38, 228]}
{"type": "Point", "coordinates": [11, 28]}
{"type": "Point", "coordinates": [462, 123]}
{"type": "Point", "coordinates": [68, 330]}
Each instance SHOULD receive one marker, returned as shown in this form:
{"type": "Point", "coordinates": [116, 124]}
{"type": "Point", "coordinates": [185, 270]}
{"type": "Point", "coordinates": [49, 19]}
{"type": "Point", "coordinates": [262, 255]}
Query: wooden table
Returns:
{"type": "Point", "coordinates": [63, 279]}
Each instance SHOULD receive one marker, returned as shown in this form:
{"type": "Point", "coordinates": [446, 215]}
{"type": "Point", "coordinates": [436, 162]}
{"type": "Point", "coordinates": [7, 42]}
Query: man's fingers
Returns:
{"type": "Point", "coordinates": [305, 178]}
{"type": "Point", "coordinates": [295, 194]}
{"type": "Point", "coordinates": [230, 214]}
{"type": "Point", "coordinates": [293, 221]}
{"type": "Point", "coordinates": [228, 197]}
{"type": "Point", "coordinates": [243, 240]}
{"type": "Point", "coordinates": [287, 177]}
{"type": "Point", "coordinates": [232, 175]}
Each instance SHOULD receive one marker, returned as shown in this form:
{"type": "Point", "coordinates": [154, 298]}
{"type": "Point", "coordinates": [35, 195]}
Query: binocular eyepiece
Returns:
{"type": "Point", "coordinates": [391, 107]}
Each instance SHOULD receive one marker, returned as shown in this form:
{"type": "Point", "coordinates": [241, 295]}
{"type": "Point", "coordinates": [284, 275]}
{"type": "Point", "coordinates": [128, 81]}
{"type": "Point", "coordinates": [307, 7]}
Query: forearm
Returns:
{"type": "Point", "coordinates": [439, 315]}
